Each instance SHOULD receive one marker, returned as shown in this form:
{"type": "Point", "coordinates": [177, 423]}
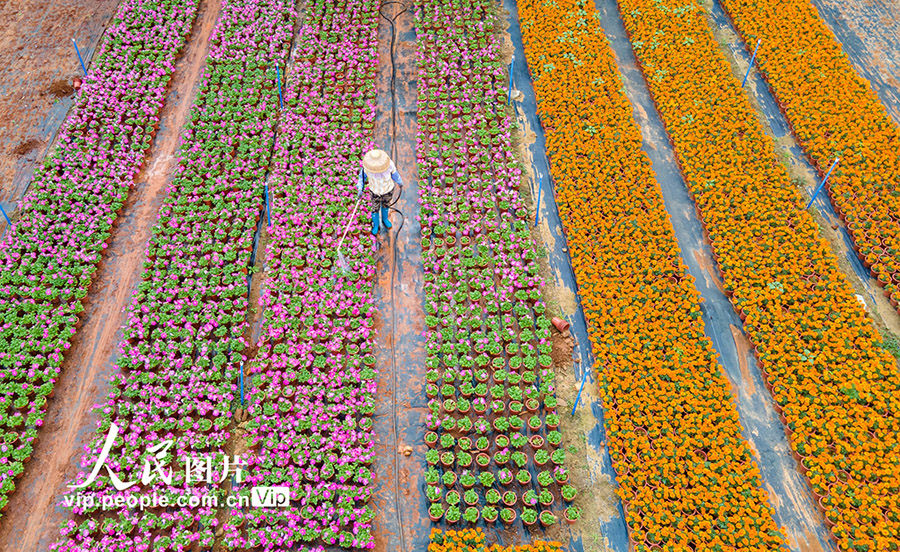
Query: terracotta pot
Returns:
{"type": "Point", "coordinates": [560, 324]}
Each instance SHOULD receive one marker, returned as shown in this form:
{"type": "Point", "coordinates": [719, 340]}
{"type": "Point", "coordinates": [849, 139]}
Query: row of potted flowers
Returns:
{"type": "Point", "coordinates": [834, 386]}
{"type": "Point", "coordinates": [313, 380]}
{"type": "Point", "coordinates": [834, 112]}
{"type": "Point", "coordinates": [182, 343]}
{"type": "Point", "coordinates": [473, 540]}
{"type": "Point", "coordinates": [49, 255]}
{"type": "Point", "coordinates": [490, 382]}
{"type": "Point", "coordinates": [669, 413]}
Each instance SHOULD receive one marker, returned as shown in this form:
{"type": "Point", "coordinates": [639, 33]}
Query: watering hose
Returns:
{"type": "Point", "coordinates": [391, 21]}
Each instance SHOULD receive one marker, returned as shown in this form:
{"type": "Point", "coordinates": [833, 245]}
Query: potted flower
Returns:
{"type": "Point", "coordinates": [433, 493]}
{"type": "Point", "coordinates": [447, 441]}
{"type": "Point", "coordinates": [431, 439]}
{"type": "Point", "coordinates": [453, 498]}
{"type": "Point", "coordinates": [534, 423]}
{"type": "Point", "coordinates": [453, 514]}
{"type": "Point", "coordinates": [545, 498]}
{"type": "Point", "coordinates": [510, 498]}
{"type": "Point", "coordinates": [501, 425]}
{"type": "Point", "coordinates": [492, 496]}
{"type": "Point", "coordinates": [471, 497]}
{"type": "Point", "coordinates": [517, 440]}
{"type": "Point", "coordinates": [530, 498]}
{"type": "Point", "coordinates": [432, 456]}
{"type": "Point", "coordinates": [436, 512]}
{"type": "Point", "coordinates": [541, 457]}
{"type": "Point", "coordinates": [508, 515]}
{"type": "Point", "coordinates": [486, 479]}
{"type": "Point", "coordinates": [449, 479]}
{"type": "Point", "coordinates": [516, 423]}
{"type": "Point", "coordinates": [558, 457]}
{"type": "Point", "coordinates": [464, 459]}
{"type": "Point", "coordinates": [552, 421]}
{"type": "Point", "coordinates": [554, 438]}
{"type": "Point", "coordinates": [550, 403]}
{"type": "Point", "coordinates": [482, 460]}
{"type": "Point", "coordinates": [472, 514]}
{"type": "Point", "coordinates": [467, 480]}
{"type": "Point", "coordinates": [464, 425]}
{"type": "Point", "coordinates": [545, 479]}
{"type": "Point", "coordinates": [560, 474]}
{"type": "Point", "coordinates": [432, 476]}
{"type": "Point", "coordinates": [519, 458]}
{"type": "Point", "coordinates": [501, 457]}
{"type": "Point", "coordinates": [572, 514]}
{"type": "Point", "coordinates": [523, 477]}
{"type": "Point", "coordinates": [529, 516]}
{"type": "Point", "coordinates": [536, 442]}
{"type": "Point", "coordinates": [505, 476]}
{"type": "Point", "coordinates": [490, 514]}
{"type": "Point", "coordinates": [568, 493]}
{"type": "Point", "coordinates": [547, 518]}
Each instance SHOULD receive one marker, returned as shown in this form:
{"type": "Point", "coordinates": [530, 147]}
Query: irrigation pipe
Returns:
{"type": "Point", "coordinates": [391, 21]}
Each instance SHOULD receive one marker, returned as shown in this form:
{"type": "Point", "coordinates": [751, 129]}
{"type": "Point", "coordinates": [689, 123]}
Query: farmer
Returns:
{"type": "Point", "coordinates": [379, 174]}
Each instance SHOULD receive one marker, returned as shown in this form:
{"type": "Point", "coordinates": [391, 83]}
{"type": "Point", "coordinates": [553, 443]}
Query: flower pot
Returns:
{"type": "Point", "coordinates": [560, 324]}
{"type": "Point", "coordinates": [511, 520]}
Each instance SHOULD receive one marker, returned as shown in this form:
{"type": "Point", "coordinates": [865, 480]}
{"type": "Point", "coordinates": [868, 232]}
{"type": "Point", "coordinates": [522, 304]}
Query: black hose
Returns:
{"type": "Point", "coordinates": [391, 21]}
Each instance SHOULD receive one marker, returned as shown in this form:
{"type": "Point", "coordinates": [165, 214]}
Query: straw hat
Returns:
{"type": "Point", "coordinates": [376, 161]}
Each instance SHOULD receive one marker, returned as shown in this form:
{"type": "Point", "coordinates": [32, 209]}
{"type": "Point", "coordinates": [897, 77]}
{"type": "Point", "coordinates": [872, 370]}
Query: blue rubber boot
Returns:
{"type": "Point", "coordinates": [385, 218]}
{"type": "Point", "coordinates": [374, 223]}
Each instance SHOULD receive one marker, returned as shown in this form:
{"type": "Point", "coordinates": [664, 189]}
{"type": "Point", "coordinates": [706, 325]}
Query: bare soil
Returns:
{"type": "Point", "coordinates": [61, 89]}
{"type": "Point", "coordinates": [27, 146]}
{"type": "Point", "coordinates": [37, 64]}
{"type": "Point", "coordinates": [32, 521]}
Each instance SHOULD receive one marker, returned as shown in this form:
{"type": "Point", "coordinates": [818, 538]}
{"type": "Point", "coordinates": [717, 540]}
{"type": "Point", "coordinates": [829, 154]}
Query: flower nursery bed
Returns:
{"type": "Point", "coordinates": [312, 382]}
{"type": "Point", "coordinates": [49, 256]}
{"type": "Point", "coordinates": [835, 389]}
{"type": "Point", "coordinates": [673, 430]}
{"type": "Point", "coordinates": [834, 113]}
{"type": "Point", "coordinates": [183, 341]}
{"type": "Point", "coordinates": [473, 540]}
{"type": "Point", "coordinates": [493, 438]}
